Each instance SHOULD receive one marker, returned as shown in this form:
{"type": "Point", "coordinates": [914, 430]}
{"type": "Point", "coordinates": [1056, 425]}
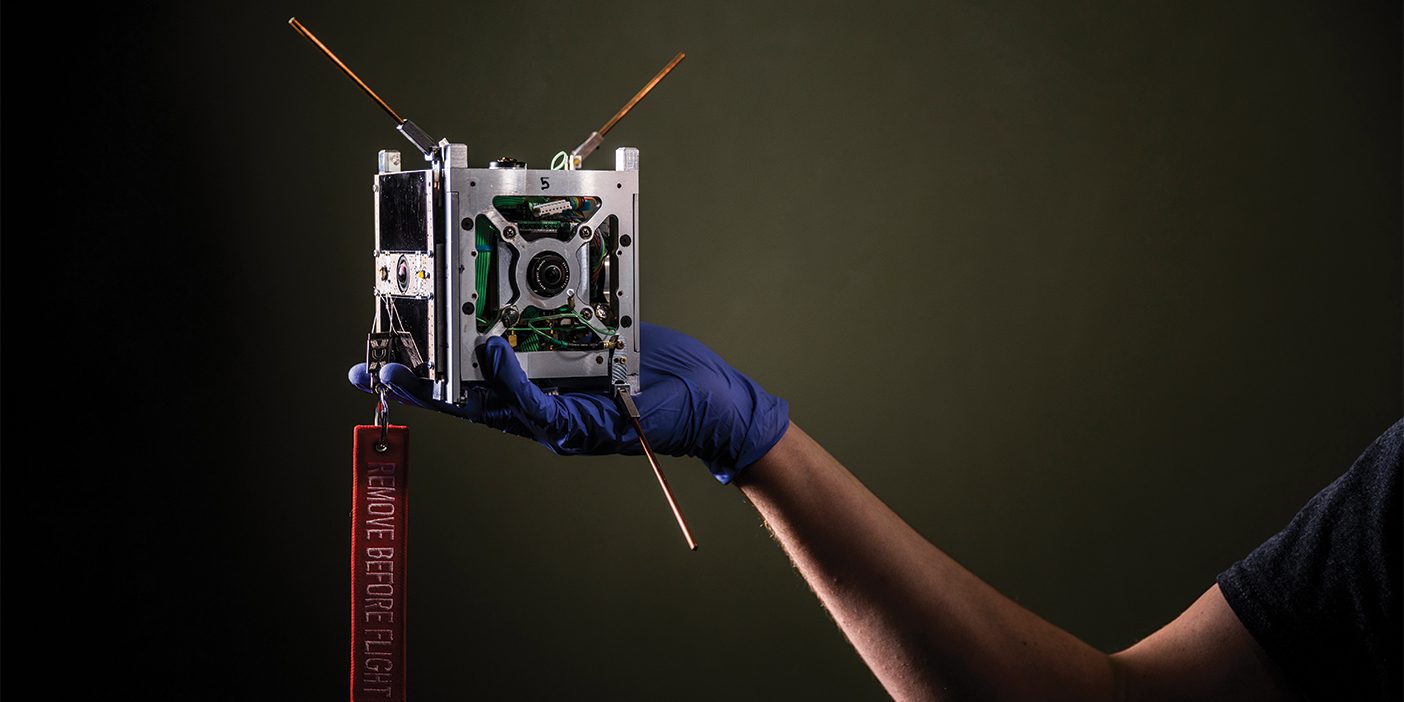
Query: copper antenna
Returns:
{"type": "Point", "coordinates": [642, 92]}
{"type": "Point", "coordinates": [416, 136]}
{"type": "Point", "coordinates": [632, 411]}
{"type": "Point", "coordinates": [593, 142]}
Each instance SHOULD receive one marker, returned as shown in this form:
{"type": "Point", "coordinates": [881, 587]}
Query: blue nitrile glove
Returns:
{"type": "Point", "coordinates": [691, 404]}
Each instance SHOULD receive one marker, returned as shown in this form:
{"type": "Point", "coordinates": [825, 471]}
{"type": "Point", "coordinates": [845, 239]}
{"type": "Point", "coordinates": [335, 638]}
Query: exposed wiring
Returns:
{"type": "Point", "coordinates": [599, 263]}
{"type": "Point", "coordinates": [572, 314]}
{"type": "Point", "coordinates": [539, 334]}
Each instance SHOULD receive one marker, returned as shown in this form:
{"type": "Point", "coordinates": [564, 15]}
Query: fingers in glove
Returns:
{"type": "Point", "coordinates": [484, 406]}
{"type": "Point", "coordinates": [506, 377]}
{"type": "Point", "coordinates": [401, 382]}
{"type": "Point", "coordinates": [405, 387]}
{"type": "Point", "coordinates": [596, 426]}
{"type": "Point", "coordinates": [481, 405]}
{"type": "Point", "coordinates": [359, 377]}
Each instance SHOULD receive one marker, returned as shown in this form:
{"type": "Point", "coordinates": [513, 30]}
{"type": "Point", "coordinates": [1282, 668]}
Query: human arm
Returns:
{"type": "Point", "coordinates": [930, 629]}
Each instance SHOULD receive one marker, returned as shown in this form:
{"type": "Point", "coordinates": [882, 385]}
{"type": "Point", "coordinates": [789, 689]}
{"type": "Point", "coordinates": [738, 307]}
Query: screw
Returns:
{"type": "Point", "coordinates": [509, 233]}
{"type": "Point", "coordinates": [585, 233]}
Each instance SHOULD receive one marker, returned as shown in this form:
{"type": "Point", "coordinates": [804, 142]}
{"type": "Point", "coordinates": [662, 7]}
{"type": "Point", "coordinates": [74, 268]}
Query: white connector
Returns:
{"type": "Point", "coordinates": [547, 209]}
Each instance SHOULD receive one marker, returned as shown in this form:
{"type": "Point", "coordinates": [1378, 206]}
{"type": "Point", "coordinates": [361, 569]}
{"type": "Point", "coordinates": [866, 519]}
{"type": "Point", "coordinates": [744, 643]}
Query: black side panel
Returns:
{"type": "Point", "coordinates": [403, 211]}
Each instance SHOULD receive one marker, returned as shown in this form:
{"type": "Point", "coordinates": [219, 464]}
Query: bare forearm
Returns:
{"type": "Point", "coordinates": [927, 627]}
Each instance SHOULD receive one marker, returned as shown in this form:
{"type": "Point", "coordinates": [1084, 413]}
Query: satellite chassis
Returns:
{"type": "Point", "coordinates": [546, 258]}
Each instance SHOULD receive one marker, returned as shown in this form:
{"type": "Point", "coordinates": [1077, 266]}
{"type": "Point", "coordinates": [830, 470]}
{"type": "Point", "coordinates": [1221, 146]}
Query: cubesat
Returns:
{"type": "Point", "coordinates": [547, 259]}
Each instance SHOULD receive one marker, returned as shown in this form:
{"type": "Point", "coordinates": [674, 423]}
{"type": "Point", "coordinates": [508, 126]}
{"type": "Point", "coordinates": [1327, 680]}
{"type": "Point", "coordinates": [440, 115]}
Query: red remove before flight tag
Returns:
{"type": "Point", "coordinates": [380, 501]}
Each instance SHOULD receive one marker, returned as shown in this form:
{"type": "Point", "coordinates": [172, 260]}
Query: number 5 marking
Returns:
{"type": "Point", "coordinates": [545, 184]}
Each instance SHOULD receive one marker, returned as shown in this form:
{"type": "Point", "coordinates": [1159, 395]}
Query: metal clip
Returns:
{"type": "Point", "coordinates": [382, 418]}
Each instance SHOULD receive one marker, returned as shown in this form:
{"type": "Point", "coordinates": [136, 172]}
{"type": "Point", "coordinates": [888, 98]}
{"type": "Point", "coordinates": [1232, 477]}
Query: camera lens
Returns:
{"type": "Point", "coordinates": [548, 274]}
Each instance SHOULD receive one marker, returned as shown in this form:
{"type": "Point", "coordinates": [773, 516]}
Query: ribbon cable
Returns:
{"type": "Point", "coordinates": [380, 502]}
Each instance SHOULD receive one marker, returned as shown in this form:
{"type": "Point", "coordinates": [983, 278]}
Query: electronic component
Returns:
{"type": "Point", "coordinates": [554, 207]}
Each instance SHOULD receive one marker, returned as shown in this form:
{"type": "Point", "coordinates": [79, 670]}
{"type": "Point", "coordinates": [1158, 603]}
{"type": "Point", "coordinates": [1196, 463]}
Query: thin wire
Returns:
{"type": "Point", "coordinates": [395, 316]}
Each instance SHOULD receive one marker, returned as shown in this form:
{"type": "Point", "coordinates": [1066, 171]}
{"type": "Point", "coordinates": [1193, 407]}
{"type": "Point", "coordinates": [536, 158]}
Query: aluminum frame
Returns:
{"type": "Point", "coordinates": [463, 194]}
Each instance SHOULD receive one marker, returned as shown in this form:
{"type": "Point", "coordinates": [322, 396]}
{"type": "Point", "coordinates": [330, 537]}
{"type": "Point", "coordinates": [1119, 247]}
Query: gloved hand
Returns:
{"type": "Point", "coordinates": [691, 404]}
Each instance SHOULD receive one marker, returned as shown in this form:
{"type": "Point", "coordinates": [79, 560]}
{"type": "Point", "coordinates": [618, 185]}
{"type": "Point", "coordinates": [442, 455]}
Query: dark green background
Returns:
{"type": "Point", "coordinates": [1095, 294]}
